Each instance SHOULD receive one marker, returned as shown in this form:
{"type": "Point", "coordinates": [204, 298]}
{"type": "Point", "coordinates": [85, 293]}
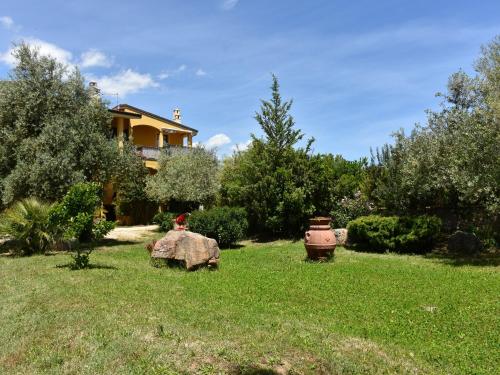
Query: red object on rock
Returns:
{"type": "Point", "coordinates": [180, 221]}
{"type": "Point", "coordinates": [319, 240]}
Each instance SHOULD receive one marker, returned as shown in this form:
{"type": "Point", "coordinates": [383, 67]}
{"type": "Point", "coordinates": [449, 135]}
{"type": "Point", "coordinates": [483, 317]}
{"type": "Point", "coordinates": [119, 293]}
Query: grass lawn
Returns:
{"type": "Point", "coordinates": [265, 311]}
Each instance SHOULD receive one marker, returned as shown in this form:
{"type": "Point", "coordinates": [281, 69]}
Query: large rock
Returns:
{"type": "Point", "coordinates": [191, 249]}
{"type": "Point", "coordinates": [341, 236]}
{"type": "Point", "coordinates": [463, 242]}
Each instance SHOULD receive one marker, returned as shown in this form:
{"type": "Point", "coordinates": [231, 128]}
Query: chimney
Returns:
{"type": "Point", "coordinates": [93, 89]}
{"type": "Point", "coordinates": [177, 115]}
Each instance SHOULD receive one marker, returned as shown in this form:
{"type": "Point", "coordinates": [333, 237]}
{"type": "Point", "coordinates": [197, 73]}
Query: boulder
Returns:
{"type": "Point", "coordinates": [341, 236]}
{"type": "Point", "coordinates": [188, 248]}
{"type": "Point", "coordinates": [463, 242]}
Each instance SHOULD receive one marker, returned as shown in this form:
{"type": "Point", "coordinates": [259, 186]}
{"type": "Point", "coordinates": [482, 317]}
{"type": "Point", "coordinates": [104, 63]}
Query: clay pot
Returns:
{"type": "Point", "coordinates": [319, 240]}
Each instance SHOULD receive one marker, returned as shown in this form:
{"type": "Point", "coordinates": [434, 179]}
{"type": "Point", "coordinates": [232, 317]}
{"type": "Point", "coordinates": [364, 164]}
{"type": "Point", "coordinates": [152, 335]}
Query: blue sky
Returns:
{"type": "Point", "coordinates": [357, 70]}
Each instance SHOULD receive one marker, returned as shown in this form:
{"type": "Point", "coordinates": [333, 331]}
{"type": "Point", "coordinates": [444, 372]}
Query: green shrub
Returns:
{"type": "Point", "coordinates": [394, 233]}
{"type": "Point", "coordinates": [349, 209]}
{"type": "Point", "coordinates": [164, 221]}
{"type": "Point", "coordinates": [101, 228]}
{"type": "Point", "coordinates": [227, 225]}
{"type": "Point", "coordinates": [74, 215]}
{"type": "Point", "coordinates": [27, 223]}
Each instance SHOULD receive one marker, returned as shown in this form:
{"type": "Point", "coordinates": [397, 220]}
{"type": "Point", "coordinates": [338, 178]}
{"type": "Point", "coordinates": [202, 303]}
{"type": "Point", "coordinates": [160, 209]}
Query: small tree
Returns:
{"type": "Point", "coordinates": [74, 219]}
{"type": "Point", "coordinates": [186, 176]}
{"type": "Point", "coordinates": [272, 178]}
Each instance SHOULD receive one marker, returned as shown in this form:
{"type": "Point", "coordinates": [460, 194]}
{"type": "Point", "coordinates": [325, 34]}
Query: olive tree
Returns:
{"type": "Point", "coordinates": [453, 161]}
{"type": "Point", "coordinates": [185, 175]}
{"type": "Point", "coordinates": [54, 132]}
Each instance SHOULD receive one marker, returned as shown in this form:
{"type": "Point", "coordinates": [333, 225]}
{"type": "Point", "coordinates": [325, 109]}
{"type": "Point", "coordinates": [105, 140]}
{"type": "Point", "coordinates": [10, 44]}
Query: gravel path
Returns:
{"type": "Point", "coordinates": [132, 233]}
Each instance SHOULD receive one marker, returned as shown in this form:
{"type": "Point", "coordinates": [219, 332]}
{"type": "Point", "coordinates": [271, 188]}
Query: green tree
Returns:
{"type": "Point", "coordinates": [54, 132]}
{"type": "Point", "coordinates": [277, 123]}
{"type": "Point", "coordinates": [186, 176]}
{"type": "Point", "coordinates": [453, 162]}
{"type": "Point", "coordinates": [129, 183]}
{"type": "Point", "coordinates": [271, 179]}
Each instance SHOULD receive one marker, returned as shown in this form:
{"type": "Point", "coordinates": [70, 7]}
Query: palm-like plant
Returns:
{"type": "Point", "coordinates": [27, 223]}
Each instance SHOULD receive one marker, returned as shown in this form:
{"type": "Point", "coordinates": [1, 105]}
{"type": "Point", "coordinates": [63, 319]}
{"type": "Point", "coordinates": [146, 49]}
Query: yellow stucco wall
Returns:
{"type": "Point", "coordinates": [145, 136]}
{"type": "Point", "coordinates": [175, 139]}
{"type": "Point", "coordinates": [146, 129]}
{"type": "Point", "coordinates": [153, 122]}
{"type": "Point", "coordinates": [151, 164]}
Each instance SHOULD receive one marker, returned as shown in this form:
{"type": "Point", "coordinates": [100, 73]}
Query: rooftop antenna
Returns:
{"type": "Point", "coordinates": [117, 95]}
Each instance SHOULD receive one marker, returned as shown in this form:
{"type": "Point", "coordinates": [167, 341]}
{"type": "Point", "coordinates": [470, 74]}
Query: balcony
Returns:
{"type": "Point", "coordinates": [153, 153]}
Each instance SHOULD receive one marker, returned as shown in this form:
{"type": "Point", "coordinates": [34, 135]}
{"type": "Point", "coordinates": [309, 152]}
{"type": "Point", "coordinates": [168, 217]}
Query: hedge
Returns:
{"type": "Point", "coordinates": [416, 234]}
{"type": "Point", "coordinates": [227, 225]}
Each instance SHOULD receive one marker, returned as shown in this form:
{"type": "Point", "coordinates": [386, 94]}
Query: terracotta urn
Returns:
{"type": "Point", "coordinates": [319, 240]}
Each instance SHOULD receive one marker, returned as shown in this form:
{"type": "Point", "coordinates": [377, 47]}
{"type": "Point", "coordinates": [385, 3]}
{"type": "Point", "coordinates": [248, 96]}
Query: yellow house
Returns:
{"type": "Point", "coordinates": [151, 134]}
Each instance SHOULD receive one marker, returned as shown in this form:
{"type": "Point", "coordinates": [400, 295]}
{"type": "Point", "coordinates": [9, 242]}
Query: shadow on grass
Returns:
{"type": "Point", "coordinates": [485, 259]}
{"type": "Point", "coordinates": [111, 242]}
{"type": "Point", "coordinates": [328, 259]}
{"type": "Point", "coordinates": [97, 266]}
{"type": "Point", "coordinates": [252, 370]}
{"type": "Point", "coordinates": [233, 247]}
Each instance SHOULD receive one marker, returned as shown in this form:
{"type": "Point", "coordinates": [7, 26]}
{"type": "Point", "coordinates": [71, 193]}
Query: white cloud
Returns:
{"type": "Point", "coordinates": [7, 22]}
{"type": "Point", "coordinates": [201, 73]}
{"type": "Point", "coordinates": [44, 49]}
{"type": "Point", "coordinates": [229, 4]}
{"type": "Point", "coordinates": [241, 146]}
{"type": "Point", "coordinates": [95, 57]}
{"type": "Point", "coordinates": [217, 141]}
{"type": "Point", "coordinates": [124, 83]}
{"type": "Point", "coordinates": [163, 75]}
{"type": "Point", "coordinates": [169, 73]}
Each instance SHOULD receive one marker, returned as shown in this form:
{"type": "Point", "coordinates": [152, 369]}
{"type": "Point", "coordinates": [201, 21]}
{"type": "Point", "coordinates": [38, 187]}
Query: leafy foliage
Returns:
{"type": "Point", "coordinates": [27, 223]}
{"type": "Point", "coordinates": [129, 183]}
{"type": "Point", "coordinates": [453, 162]}
{"type": "Point", "coordinates": [227, 225]}
{"type": "Point", "coordinates": [47, 117]}
{"type": "Point", "coordinates": [185, 175]}
{"type": "Point", "coordinates": [394, 233]}
{"type": "Point", "coordinates": [277, 123]}
{"type": "Point", "coordinates": [74, 215]}
{"type": "Point", "coordinates": [281, 186]}
{"type": "Point", "coordinates": [349, 209]}
{"type": "Point", "coordinates": [164, 220]}
{"type": "Point", "coordinates": [74, 219]}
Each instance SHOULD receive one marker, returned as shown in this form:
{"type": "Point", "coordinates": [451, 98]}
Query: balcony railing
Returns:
{"type": "Point", "coordinates": [153, 153]}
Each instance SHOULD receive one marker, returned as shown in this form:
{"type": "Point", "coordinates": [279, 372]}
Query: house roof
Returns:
{"type": "Point", "coordinates": [124, 114]}
{"type": "Point", "coordinates": [159, 118]}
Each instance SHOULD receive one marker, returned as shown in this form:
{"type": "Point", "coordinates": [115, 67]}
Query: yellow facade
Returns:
{"type": "Point", "coordinates": [151, 134]}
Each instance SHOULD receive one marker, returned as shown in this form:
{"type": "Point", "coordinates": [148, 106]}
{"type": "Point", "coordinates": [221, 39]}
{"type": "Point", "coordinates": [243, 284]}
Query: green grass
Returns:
{"type": "Point", "coordinates": [265, 311]}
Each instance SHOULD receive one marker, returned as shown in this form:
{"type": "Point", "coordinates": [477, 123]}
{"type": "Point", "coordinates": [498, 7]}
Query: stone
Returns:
{"type": "Point", "coordinates": [464, 242]}
{"type": "Point", "coordinates": [188, 248]}
{"type": "Point", "coordinates": [341, 236]}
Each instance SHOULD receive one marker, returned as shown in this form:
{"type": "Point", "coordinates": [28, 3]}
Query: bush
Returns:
{"type": "Point", "coordinates": [164, 220]}
{"type": "Point", "coordinates": [227, 225]}
{"type": "Point", "coordinates": [74, 218]}
{"type": "Point", "coordinates": [349, 209]}
{"type": "Point", "coordinates": [101, 228]}
{"type": "Point", "coordinates": [27, 223]}
{"type": "Point", "coordinates": [74, 215]}
{"type": "Point", "coordinates": [394, 233]}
